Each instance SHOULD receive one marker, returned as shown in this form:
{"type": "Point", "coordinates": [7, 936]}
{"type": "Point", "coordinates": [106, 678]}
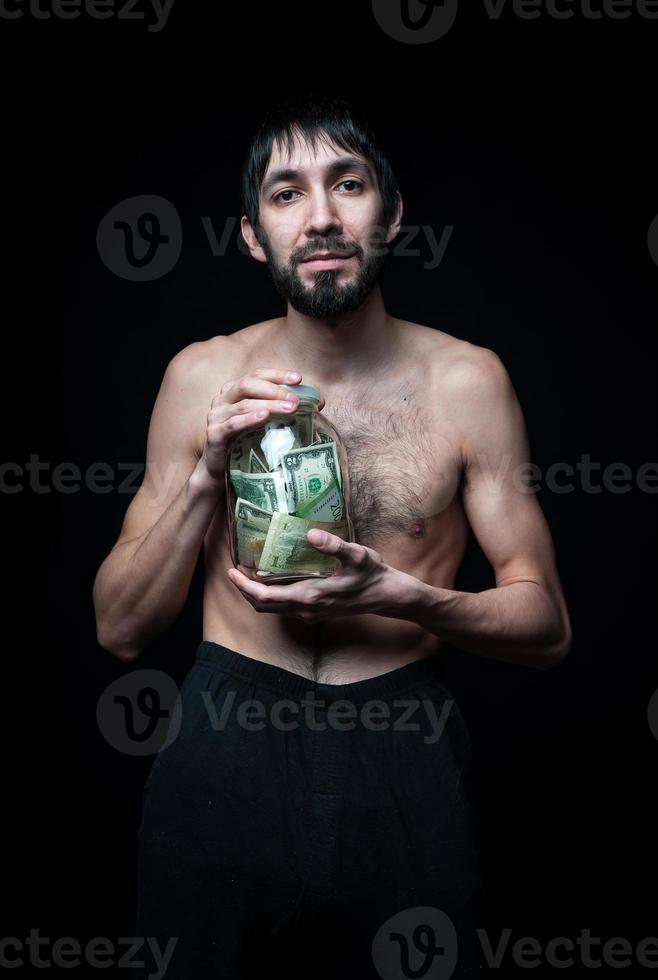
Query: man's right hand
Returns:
{"type": "Point", "coordinates": [236, 409]}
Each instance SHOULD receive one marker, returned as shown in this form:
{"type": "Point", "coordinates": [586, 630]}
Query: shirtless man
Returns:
{"type": "Point", "coordinates": [436, 442]}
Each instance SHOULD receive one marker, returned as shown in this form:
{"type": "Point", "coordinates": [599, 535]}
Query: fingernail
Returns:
{"type": "Point", "coordinates": [293, 376]}
{"type": "Point", "coordinates": [317, 536]}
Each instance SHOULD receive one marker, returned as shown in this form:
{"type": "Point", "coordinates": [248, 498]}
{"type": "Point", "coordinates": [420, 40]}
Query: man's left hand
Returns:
{"type": "Point", "coordinates": [362, 584]}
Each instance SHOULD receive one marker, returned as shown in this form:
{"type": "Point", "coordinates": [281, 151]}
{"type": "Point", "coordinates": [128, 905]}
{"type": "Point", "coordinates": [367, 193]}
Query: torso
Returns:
{"type": "Point", "coordinates": [405, 466]}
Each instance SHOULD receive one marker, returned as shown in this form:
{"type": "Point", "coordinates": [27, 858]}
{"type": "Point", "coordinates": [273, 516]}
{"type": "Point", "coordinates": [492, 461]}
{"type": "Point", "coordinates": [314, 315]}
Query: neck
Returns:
{"type": "Point", "coordinates": [339, 349]}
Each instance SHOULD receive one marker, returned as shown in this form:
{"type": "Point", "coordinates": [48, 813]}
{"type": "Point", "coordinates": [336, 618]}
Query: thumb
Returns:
{"type": "Point", "coordinates": [319, 538]}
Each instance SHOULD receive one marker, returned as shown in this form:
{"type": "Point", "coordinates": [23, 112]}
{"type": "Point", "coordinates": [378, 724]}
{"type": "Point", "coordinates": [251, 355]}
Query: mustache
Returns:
{"type": "Point", "coordinates": [327, 247]}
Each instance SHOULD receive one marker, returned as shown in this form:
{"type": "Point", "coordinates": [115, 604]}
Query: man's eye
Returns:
{"type": "Point", "coordinates": [277, 196]}
{"type": "Point", "coordinates": [356, 185]}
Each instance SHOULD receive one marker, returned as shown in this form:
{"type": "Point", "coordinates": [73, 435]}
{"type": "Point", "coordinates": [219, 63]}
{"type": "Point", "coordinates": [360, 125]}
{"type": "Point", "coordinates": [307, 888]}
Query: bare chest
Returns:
{"type": "Point", "coordinates": [404, 462]}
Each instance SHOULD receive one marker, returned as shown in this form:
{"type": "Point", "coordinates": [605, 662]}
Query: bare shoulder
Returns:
{"type": "Point", "coordinates": [191, 380]}
{"type": "Point", "coordinates": [457, 364]}
{"type": "Point", "coordinates": [206, 364]}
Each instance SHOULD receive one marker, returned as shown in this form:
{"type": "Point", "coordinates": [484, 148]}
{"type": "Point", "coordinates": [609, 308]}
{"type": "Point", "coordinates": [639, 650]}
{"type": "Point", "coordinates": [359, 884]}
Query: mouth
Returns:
{"type": "Point", "coordinates": [327, 260]}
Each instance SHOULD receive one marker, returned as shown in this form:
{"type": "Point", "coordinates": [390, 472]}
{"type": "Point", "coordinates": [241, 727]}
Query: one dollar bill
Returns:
{"type": "Point", "coordinates": [287, 552]}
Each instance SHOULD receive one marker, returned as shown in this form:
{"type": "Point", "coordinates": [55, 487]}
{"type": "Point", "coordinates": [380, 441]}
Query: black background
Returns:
{"type": "Point", "coordinates": [535, 140]}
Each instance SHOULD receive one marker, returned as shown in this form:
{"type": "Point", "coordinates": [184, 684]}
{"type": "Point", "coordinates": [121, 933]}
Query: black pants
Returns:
{"type": "Point", "coordinates": [313, 830]}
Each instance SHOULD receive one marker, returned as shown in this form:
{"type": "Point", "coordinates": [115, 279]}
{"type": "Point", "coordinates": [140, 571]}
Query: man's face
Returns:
{"type": "Point", "coordinates": [323, 202]}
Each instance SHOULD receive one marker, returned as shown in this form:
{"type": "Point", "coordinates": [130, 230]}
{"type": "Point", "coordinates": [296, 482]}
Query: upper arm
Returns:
{"type": "Point", "coordinates": [172, 449]}
{"type": "Point", "coordinates": [498, 498]}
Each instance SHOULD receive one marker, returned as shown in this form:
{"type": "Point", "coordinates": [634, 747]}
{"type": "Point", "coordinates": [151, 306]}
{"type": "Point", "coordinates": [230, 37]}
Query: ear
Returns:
{"type": "Point", "coordinates": [250, 238]}
{"type": "Point", "coordinates": [396, 220]}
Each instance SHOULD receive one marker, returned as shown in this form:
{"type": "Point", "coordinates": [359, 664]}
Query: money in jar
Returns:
{"type": "Point", "coordinates": [282, 479]}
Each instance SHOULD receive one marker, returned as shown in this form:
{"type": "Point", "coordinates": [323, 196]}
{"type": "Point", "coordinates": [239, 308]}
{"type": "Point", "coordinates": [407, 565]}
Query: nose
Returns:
{"type": "Point", "coordinates": [322, 218]}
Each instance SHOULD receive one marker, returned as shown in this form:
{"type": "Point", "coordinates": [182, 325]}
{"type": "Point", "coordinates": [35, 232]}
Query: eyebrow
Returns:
{"type": "Point", "coordinates": [336, 166]}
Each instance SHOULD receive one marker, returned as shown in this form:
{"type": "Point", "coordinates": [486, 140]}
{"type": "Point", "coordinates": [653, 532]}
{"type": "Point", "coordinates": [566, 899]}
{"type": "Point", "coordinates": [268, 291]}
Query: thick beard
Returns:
{"type": "Point", "coordinates": [324, 297]}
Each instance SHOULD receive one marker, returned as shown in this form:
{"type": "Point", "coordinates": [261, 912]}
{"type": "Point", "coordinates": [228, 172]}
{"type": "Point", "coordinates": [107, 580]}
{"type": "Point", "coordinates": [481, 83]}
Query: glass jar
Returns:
{"type": "Point", "coordinates": [286, 476]}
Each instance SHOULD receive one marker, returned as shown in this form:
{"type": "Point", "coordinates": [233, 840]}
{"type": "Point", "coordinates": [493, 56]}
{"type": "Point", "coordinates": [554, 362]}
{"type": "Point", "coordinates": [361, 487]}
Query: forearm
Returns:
{"type": "Point", "coordinates": [141, 587]}
{"type": "Point", "coordinates": [517, 623]}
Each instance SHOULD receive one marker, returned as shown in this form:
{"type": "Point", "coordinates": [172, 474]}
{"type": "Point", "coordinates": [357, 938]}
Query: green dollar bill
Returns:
{"type": "Point", "coordinates": [246, 511]}
{"type": "Point", "coordinates": [256, 465]}
{"type": "Point", "coordinates": [251, 527]}
{"type": "Point", "coordinates": [328, 505]}
{"type": "Point", "coordinates": [287, 552]}
{"type": "Point", "coordinates": [309, 471]}
{"type": "Point", "coordinates": [265, 490]}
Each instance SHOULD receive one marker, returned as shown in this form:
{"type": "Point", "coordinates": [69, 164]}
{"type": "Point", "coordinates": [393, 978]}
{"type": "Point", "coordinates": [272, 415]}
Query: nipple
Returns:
{"type": "Point", "coordinates": [417, 529]}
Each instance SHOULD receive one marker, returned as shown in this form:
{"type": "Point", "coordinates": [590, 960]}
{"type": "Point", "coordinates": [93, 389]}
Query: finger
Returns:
{"type": "Point", "coordinates": [250, 386]}
{"type": "Point", "coordinates": [260, 592]}
{"type": "Point", "coordinates": [347, 552]}
{"type": "Point", "coordinates": [273, 407]}
{"type": "Point", "coordinates": [278, 375]}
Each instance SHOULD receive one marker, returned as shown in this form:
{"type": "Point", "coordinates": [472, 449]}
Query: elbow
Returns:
{"type": "Point", "coordinates": [127, 655]}
{"type": "Point", "coordinates": [556, 653]}
{"type": "Point", "coordinates": [121, 647]}
{"type": "Point", "coordinates": [126, 652]}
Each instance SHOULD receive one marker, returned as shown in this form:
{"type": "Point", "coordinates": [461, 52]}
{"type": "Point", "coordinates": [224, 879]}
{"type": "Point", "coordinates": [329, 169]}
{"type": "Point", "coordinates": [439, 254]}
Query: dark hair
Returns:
{"type": "Point", "coordinates": [314, 116]}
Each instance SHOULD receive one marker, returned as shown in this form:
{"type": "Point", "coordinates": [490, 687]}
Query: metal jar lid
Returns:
{"type": "Point", "coordinates": [305, 392]}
